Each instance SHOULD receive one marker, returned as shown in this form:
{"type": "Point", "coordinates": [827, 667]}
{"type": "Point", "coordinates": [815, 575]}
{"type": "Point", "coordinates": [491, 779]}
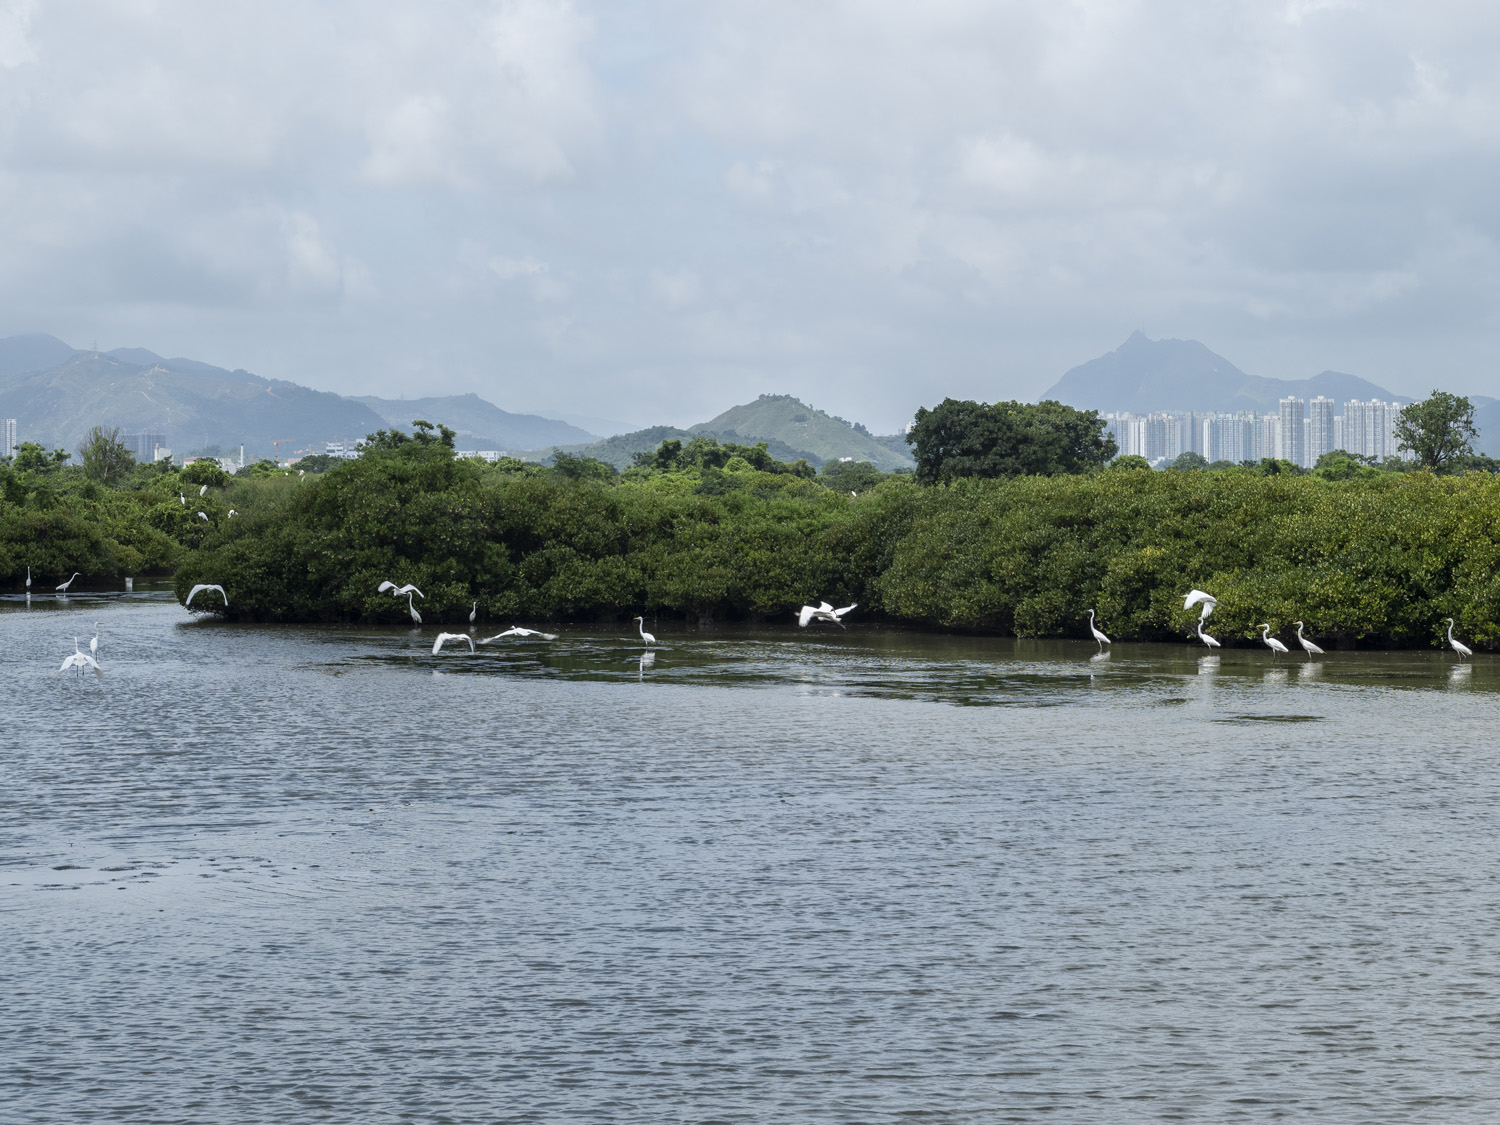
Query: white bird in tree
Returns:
{"type": "Point", "coordinates": [200, 588]}
{"type": "Point", "coordinates": [203, 516]}
{"type": "Point", "coordinates": [1306, 644]}
{"type": "Point", "coordinates": [1098, 636]}
{"type": "Point", "coordinates": [1204, 637]}
{"type": "Point", "coordinates": [181, 499]}
{"type": "Point", "coordinates": [441, 637]}
{"type": "Point", "coordinates": [232, 514]}
{"type": "Point", "coordinates": [203, 490]}
{"type": "Point", "coordinates": [1458, 646]}
{"type": "Point", "coordinates": [416, 618]}
{"type": "Point", "coordinates": [517, 631]}
{"type": "Point", "coordinates": [1275, 646]}
{"type": "Point", "coordinates": [823, 612]}
{"type": "Point", "coordinates": [79, 659]}
{"type": "Point", "coordinates": [1196, 596]}
{"type": "Point", "coordinates": [69, 582]}
{"type": "Point", "coordinates": [645, 636]}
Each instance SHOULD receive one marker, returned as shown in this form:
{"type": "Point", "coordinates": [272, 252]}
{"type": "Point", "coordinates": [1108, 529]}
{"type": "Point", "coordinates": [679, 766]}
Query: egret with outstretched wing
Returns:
{"type": "Point", "coordinates": [518, 631]}
{"type": "Point", "coordinates": [441, 637]}
{"type": "Point", "coordinates": [200, 588]}
{"type": "Point", "coordinates": [79, 659]}
{"type": "Point", "coordinates": [1196, 596]}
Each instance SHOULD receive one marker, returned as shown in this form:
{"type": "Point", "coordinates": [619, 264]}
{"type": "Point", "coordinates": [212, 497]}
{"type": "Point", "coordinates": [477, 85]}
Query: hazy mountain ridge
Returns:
{"type": "Point", "coordinates": [620, 450]}
{"type": "Point", "coordinates": [479, 424]}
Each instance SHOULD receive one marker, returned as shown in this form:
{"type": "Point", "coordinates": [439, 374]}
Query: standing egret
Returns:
{"type": "Point", "coordinates": [823, 612]}
{"type": "Point", "coordinates": [473, 613]}
{"type": "Point", "coordinates": [196, 590]}
{"type": "Point", "coordinates": [416, 618]}
{"type": "Point", "coordinates": [645, 636]}
{"type": "Point", "coordinates": [231, 515]}
{"type": "Point", "coordinates": [1275, 645]}
{"type": "Point", "coordinates": [1204, 637]}
{"type": "Point", "coordinates": [301, 473]}
{"type": "Point", "coordinates": [69, 582]}
{"type": "Point", "coordinates": [203, 490]}
{"type": "Point", "coordinates": [203, 516]}
{"type": "Point", "coordinates": [1458, 646]}
{"type": "Point", "coordinates": [181, 499]}
{"type": "Point", "coordinates": [94, 640]}
{"type": "Point", "coordinates": [1196, 596]}
{"type": "Point", "coordinates": [1098, 636]}
{"type": "Point", "coordinates": [28, 580]}
{"type": "Point", "coordinates": [1305, 643]}
{"type": "Point", "coordinates": [79, 659]}
{"type": "Point", "coordinates": [517, 631]}
{"type": "Point", "coordinates": [441, 637]}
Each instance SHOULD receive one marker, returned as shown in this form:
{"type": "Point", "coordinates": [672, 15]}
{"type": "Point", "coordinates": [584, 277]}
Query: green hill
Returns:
{"type": "Point", "coordinates": [786, 419]}
{"type": "Point", "coordinates": [621, 449]}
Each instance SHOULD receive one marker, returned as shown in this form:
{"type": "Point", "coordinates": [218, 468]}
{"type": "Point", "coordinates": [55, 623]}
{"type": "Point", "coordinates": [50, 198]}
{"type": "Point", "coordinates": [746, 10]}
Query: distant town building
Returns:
{"type": "Point", "coordinates": [343, 450]}
{"type": "Point", "coordinates": [143, 446]}
{"type": "Point", "coordinates": [490, 455]}
{"type": "Point", "coordinates": [1293, 430]}
{"type": "Point", "coordinates": [1320, 429]}
{"type": "Point", "coordinates": [8, 437]}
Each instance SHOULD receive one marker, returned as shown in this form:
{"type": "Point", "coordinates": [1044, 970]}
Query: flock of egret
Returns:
{"type": "Point", "coordinates": [1209, 602]}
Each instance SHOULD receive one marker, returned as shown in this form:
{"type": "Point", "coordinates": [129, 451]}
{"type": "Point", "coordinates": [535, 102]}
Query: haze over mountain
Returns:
{"type": "Point", "coordinates": [479, 424]}
{"type": "Point", "coordinates": [1143, 375]}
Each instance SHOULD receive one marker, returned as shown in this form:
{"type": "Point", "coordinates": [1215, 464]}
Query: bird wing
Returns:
{"type": "Point", "coordinates": [805, 616]}
{"type": "Point", "coordinates": [1196, 596]}
{"type": "Point", "coordinates": [824, 607]}
{"type": "Point", "coordinates": [193, 593]}
{"type": "Point", "coordinates": [438, 644]}
{"type": "Point", "coordinates": [70, 661]}
{"type": "Point", "coordinates": [384, 586]}
{"type": "Point", "coordinates": [846, 609]}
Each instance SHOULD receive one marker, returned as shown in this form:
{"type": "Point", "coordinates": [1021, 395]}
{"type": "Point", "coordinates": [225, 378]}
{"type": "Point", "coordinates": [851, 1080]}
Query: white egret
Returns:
{"type": "Point", "coordinates": [473, 613]}
{"type": "Point", "coordinates": [1458, 646]}
{"type": "Point", "coordinates": [1098, 636]}
{"type": "Point", "coordinates": [181, 499]}
{"type": "Point", "coordinates": [517, 631]}
{"type": "Point", "coordinates": [232, 514]}
{"type": "Point", "coordinates": [94, 640]}
{"type": "Point", "coordinates": [196, 590]}
{"type": "Point", "coordinates": [384, 586]}
{"type": "Point", "coordinates": [1196, 596]}
{"type": "Point", "coordinates": [79, 659]}
{"type": "Point", "coordinates": [823, 612]}
{"type": "Point", "coordinates": [301, 473]}
{"type": "Point", "coordinates": [28, 579]}
{"type": "Point", "coordinates": [69, 582]}
{"type": "Point", "coordinates": [1305, 643]}
{"type": "Point", "coordinates": [203, 516]}
{"type": "Point", "coordinates": [416, 618]}
{"type": "Point", "coordinates": [203, 490]}
{"type": "Point", "coordinates": [1274, 645]}
{"type": "Point", "coordinates": [1204, 637]}
{"type": "Point", "coordinates": [441, 637]}
{"type": "Point", "coordinates": [408, 590]}
{"type": "Point", "coordinates": [645, 636]}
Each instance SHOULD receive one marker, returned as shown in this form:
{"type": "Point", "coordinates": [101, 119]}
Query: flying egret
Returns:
{"type": "Point", "coordinates": [384, 586]}
{"type": "Point", "coordinates": [1305, 643]}
{"type": "Point", "coordinates": [1098, 636]}
{"type": "Point", "coordinates": [823, 612]}
{"type": "Point", "coordinates": [408, 590]}
{"type": "Point", "coordinates": [1204, 637]}
{"type": "Point", "coordinates": [1196, 596]}
{"type": "Point", "coordinates": [79, 659]}
{"type": "Point", "coordinates": [1265, 635]}
{"type": "Point", "coordinates": [69, 582]}
{"type": "Point", "coordinates": [203, 490]}
{"type": "Point", "coordinates": [194, 592]}
{"type": "Point", "coordinates": [473, 613]}
{"type": "Point", "coordinates": [94, 640]}
{"type": "Point", "coordinates": [203, 516]}
{"type": "Point", "coordinates": [416, 618]}
{"type": "Point", "coordinates": [441, 637]}
{"type": "Point", "coordinates": [645, 636]}
{"type": "Point", "coordinates": [1458, 646]}
{"type": "Point", "coordinates": [517, 631]}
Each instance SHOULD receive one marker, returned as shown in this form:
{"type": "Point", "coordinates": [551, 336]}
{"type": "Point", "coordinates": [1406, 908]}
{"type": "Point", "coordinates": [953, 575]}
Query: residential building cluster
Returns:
{"type": "Point", "coordinates": [1301, 431]}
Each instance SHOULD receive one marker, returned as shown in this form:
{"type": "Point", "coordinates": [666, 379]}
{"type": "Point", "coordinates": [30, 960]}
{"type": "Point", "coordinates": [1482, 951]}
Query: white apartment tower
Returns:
{"type": "Point", "coordinates": [1320, 429]}
{"type": "Point", "coordinates": [1292, 431]}
{"type": "Point", "coordinates": [7, 437]}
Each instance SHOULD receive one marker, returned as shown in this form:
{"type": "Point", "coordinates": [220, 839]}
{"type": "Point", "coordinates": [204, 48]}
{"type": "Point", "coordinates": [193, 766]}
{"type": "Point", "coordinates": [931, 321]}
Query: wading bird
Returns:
{"type": "Point", "coordinates": [69, 582]}
{"type": "Point", "coordinates": [1196, 596]}
{"type": "Point", "coordinates": [397, 591]}
{"type": "Point", "coordinates": [1305, 643]}
{"type": "Point", "coordinates": [645, 636]}
{"type": "Point", "coordinates": [1275, 645]}
{"type": "Point", "coordinates": [79, 659]}
{"type": "Point", "coordinates": [416, 618]}
{"type": "Point", "coordinates": [94, 640]}
{"type": "Point", "coordinates": [441, 637]}
{"type": "Point", "coordinates": [473, 613]}
{"type": "Point", "coordinates": [1098, 636]}
{"type": "Point", "coordinates": [517, 631]}
{"type": "Point", "coordinates": [198, 589]}
{"type": "Point", "coordinates": [1204, 637]}
{"type": "Point", "coordinates": [1458, 646]}
{"type": "Point", "coordinates": [28, 580]}
{"type": "Point", "coordinates": [823, 612]}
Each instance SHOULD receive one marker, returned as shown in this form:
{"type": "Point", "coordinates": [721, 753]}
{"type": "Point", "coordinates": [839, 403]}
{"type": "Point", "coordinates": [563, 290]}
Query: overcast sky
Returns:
{"type": "Point", "coordinates": [647, 210]}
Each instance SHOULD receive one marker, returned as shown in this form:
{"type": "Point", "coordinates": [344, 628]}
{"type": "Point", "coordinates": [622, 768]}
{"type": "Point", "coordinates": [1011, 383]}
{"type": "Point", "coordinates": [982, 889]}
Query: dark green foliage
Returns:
{"type": "Point", "coordinates": [1339, 465]}
{"type": "Point", "coordinates": [105, 457]}
{"type": "Point", "coordinates": [1438, 430]}
{"type": "Point", "coordinates": [316, 463]}
{"type": "Point", "coordinates": [1188, 461]}
{"type": "Point", "coordinates": [851, 476]}
{"type": "Point", "coordinates": [969, 439]}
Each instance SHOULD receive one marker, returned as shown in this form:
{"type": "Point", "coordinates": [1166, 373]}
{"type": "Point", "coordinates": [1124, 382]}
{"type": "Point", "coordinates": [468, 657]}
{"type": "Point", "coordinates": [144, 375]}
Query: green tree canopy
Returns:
{"type": "Point", "coordinates": [1008, 439]}
{"type": "Point", "coordinates": [1189, 460]}
{"type": "Point", "coordinates": [1438, 429]}
{"type": "Point", "coordinates": [105, 457]}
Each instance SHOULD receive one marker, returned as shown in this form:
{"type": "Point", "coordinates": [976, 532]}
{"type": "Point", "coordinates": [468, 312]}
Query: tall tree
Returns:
{"type": "Point", "coordinates": [1438, 429]}
{"type": "Point", "coordinates": [1007, 439]}
{"type": "Point", "coordinates": [105, 457]}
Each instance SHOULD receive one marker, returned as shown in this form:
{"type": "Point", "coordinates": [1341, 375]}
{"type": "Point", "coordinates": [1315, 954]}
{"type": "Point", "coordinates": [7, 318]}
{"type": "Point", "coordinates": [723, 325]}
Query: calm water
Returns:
{"type": "Point", "coordinates": [321, 875]}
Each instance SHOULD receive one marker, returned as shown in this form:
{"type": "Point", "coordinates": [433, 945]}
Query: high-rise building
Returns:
{"type": "Point", "coordinates": [143, 445]}
{"type": "Point", "coordinates": [1319, 429]}
{"type": "Point", "coordinates": [1293, 444]}
{"type": "Point", "coordinates": [7, 437]}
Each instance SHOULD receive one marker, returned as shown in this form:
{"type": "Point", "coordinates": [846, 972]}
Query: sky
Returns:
{"type": "Point", "coordinates": [645, 211]}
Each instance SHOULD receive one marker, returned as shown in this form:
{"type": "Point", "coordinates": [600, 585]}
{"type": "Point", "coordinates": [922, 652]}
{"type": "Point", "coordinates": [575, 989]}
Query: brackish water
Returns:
{"type": "Point", "coordinates": [311, 874]}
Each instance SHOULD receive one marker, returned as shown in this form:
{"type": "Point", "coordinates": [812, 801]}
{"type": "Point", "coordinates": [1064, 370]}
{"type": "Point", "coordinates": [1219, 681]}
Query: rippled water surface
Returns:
{"type": "Point", "coordinates": [294, 874]}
